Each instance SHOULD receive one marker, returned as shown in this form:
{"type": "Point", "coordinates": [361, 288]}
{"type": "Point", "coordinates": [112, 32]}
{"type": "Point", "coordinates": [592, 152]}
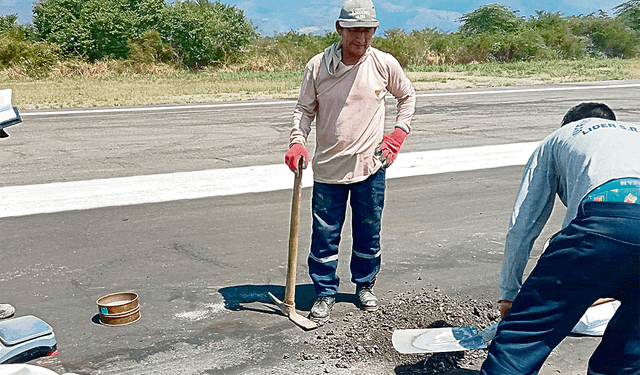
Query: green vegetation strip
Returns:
{"type": "Point", "coordinates": [590, 69]}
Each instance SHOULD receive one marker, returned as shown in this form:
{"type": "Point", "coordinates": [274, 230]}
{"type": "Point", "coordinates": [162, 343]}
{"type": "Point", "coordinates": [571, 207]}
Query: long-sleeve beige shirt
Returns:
{"type": "Point", "coordinates": [348, 104]}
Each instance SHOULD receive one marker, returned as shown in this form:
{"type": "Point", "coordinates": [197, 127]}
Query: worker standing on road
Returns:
{"type": "Point", "coordinates": [593, 164]}
{"type": "Point", "coordinates": [344, 90]}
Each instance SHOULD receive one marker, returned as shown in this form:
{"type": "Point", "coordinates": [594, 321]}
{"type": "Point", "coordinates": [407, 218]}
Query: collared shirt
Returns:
{"type": "Point", "coordinates": [348, 105]}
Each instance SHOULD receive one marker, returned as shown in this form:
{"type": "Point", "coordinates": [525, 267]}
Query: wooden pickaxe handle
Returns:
{"type": "Point", "coordinates": [294, 229]}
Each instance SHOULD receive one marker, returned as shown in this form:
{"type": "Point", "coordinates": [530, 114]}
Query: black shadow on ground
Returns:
{"type": "Point", "coordinates": [437, 363]}
{"type": "Point", "coordinates": [236, 297]}
{"type": "Point", "coordinates": [421, 369]}
{"type": "Point", "coordinates": [96, 319]}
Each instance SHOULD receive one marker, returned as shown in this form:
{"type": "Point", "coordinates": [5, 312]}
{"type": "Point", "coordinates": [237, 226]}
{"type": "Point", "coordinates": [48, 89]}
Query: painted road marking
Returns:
{"type": "Point", "coordinates": [621, 86]}
{"type": "Point", "coordinates": [291, 102]}
{"type": "Point", "coordinates": [123, 191]}
{"type": "Point", "coordinates": [156, 109]}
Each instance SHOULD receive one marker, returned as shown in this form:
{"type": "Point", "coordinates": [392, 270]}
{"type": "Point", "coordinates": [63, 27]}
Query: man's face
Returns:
{"type": "Point", "coordinates": [356, 40]}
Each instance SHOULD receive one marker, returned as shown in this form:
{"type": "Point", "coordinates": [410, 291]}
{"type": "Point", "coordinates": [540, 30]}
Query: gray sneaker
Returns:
{"type": "Point", "coordinates": [321, 309]}
{"type": "Point", "coordinates": [365, 298]}
{"type": "Point", "coordinates": [6, 310]}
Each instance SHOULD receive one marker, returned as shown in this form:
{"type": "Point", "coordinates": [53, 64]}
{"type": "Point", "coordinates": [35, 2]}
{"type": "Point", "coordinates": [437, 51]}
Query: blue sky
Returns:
{"type": "Point", "coordinates": [318, 16]}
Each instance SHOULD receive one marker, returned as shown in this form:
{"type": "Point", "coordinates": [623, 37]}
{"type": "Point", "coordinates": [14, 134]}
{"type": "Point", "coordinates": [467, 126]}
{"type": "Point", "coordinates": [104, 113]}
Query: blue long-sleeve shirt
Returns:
{"type": "Point", "coordinates": [570, 162]}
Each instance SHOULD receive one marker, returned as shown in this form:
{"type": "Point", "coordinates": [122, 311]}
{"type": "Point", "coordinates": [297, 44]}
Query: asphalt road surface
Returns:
{"type": "Point", "coordinates": [203, 266]}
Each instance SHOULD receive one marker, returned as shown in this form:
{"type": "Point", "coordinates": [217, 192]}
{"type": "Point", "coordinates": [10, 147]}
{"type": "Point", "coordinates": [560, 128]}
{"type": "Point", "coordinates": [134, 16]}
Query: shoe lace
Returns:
{"type": "Point", "coordinates": [325, 299]}
{"type": "Point", "coordinates": [366, 293]}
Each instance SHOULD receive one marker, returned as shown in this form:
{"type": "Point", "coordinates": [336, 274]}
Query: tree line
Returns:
{"type": "Point", "coordinates": [194, 34]}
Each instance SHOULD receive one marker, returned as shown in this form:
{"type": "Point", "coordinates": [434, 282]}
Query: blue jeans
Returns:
{"type": "Point", "coordinates": [597, 255]}
{"type": "Point", "coordinates": [329, 205]}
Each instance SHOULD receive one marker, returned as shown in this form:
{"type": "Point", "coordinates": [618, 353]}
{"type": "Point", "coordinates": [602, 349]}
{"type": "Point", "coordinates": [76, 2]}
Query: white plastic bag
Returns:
{"type": "Point", "coordinates": [595, 319]}
{"type": "Point", "coordinates": [24, 369]}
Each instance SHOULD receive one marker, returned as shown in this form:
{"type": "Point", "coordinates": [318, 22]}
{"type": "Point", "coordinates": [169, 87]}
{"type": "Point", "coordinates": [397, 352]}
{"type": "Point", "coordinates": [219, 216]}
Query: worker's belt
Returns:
{"type": "Point", "coordinates": [623, 190]}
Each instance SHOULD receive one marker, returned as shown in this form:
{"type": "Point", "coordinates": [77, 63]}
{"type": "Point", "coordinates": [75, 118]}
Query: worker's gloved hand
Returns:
{"type": "Point", "coordinates": [296, 151]}
{"type": "Point", "coordinates": [390, 146]}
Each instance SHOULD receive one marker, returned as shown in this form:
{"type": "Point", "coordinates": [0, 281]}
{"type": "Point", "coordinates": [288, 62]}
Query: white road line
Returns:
{"type": "Point", "coordinates": [123, 191]}
{"type": "Point", "coordinates": [292, 102]}
{"type": "Point", "coordinates": [152, 109]}
{"type": "Point", "coordinates": [629, 85]}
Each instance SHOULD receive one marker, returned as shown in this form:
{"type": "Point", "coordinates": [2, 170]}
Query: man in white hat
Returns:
{"type": "Point", "coordinates": [344, 90]}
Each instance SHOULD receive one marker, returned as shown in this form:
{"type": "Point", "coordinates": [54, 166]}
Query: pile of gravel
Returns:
{"type": "Point", "coordinates": [358, 336]}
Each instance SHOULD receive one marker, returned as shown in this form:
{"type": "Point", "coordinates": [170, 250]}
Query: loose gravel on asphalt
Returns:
{"type": "Point", "coordinates": [358, 337]}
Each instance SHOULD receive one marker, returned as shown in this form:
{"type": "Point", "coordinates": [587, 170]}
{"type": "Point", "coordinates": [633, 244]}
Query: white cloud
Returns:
{"type": "Point", "coordinates": [309, 30]}
{"type": "Point", "coordinates": [443, 20]}
{"type": "Point", "coordinates": [390, 7]}
{"type": "Point", "coordinates": [249, 8]}
{"type": "Point", "coordinates": [320, 19]}
{"type": "Point", "coordinates": [270, 26]}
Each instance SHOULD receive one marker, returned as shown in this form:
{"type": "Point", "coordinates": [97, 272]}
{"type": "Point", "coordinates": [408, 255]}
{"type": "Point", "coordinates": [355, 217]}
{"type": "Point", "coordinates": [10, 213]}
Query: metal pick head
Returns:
{"type": "Point", "coordinates": [290, 311]}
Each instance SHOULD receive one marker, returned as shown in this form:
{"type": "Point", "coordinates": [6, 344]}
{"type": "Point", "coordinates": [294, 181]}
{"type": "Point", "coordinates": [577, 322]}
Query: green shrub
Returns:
{"type": "Point", "coordinates": [490, 18]}
{"type": "Point", "coordinates": [149, 48]}
{"type": "Point", "coordinates": [558, 37]}
{"type": "Point", "coordinates": [625, 6]}
{"type": "Point", "coordinates": [606, 37]}
{"type": "Point", "coordinates": [312, 43]}
{"type": "Point", "coordinates": [458, 48]}
{"type": "Point", "coordinates": [146, 15]}
{"type": "Point", "coordinates": [410, 49]}
{"type": "Point", "coordinates": [34, 59]}
{"type": "Point", "coordinates": [291, 50]}
{"type": "Point", "coordinates": [201, 33]}
{"type": "Point", "coordinates": [480, 48]}
{"type": "Point", "coordinates": [630, 16]}
{"type": "Point", "coordinates": [518, 46]}
{"type": "Point", "coordinates": [206, 33]}
{"type": "Point", "coordinates": [95, 29]}
{"type": "Point", "coordinates": [8, 22]}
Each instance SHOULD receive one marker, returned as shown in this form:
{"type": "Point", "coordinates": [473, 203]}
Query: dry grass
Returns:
{"type": "Point", "coordinates": [634, 67]}
{"type": "Point", "coordinates": [92, 92]}
{"type": "Point", "coordinates": [434, 77]}
{"type": "Point", "coordinates": [116, 83]}
{"type": "Point", "coordinates": [91, 85]}
{"type": "Point", "coordinates": [77, 68]}
{"type": "Point", "coordinates": [108, 68]}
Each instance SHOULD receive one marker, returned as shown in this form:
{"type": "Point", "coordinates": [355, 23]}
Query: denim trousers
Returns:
{"type": "Point", "coordinates": [596, 256]}
{"type": "Point", "coordinates": [329, 207]}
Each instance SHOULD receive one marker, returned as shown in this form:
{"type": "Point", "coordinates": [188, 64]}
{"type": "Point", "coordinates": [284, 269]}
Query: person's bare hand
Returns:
{"type": "Point", "coordinates": [505, 306]}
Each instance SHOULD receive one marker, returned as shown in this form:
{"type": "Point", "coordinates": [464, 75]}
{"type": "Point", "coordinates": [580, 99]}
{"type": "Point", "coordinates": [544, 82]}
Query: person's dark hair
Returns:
{"type": "Point", "coordinates": [586, 110]}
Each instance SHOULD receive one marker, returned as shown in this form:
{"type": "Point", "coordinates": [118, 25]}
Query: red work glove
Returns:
{"type": "Point", "coordinates": [296, 151]}
{"type": "Point", "coordinates": [390, 146]}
